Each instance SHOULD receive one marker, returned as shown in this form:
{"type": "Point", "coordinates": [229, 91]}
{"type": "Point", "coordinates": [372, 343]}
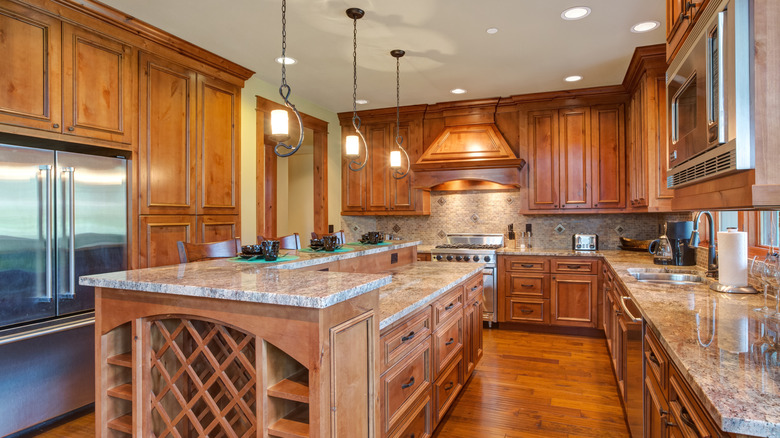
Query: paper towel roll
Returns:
{"type": "Point", "coordinates": [732, 258]}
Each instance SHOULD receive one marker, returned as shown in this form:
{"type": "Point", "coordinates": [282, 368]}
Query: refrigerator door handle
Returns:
{"type": "Point", "coordinates": [49, 203]}
{"type": "Point", "coordinates": [71, 293]}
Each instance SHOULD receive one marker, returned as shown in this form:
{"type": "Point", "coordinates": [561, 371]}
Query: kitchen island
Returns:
{"type": "Point", "coordinates": [234, 348]}
{"type": "Point", "coordinates": [718, 348]}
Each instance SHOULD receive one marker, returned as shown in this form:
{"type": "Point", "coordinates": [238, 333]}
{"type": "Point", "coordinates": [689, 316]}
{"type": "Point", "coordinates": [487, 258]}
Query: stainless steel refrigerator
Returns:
{"type": "Point", "coordinates": [62, 215]}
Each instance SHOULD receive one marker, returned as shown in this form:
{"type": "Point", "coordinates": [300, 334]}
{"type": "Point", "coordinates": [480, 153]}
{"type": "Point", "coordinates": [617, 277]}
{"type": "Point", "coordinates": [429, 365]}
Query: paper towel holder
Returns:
{"type": "Point", "coordinates": [726, 289]}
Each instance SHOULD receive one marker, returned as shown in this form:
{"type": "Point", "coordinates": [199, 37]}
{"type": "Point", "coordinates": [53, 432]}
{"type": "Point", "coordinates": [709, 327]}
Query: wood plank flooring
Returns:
{"type": "Point", "coordinates": [527, 385]}
{"type": "Point", "coordinates": [538, 385]}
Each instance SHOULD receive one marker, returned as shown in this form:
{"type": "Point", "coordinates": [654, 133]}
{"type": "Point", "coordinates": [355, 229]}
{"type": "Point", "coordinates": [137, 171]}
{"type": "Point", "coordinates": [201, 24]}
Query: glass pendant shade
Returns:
{"type": "Point", "coordinates": [353, 146]}
{"type": "Point", "coordinates": [279, 123]}
{"type": "Point", "coordinates": [395, 158]}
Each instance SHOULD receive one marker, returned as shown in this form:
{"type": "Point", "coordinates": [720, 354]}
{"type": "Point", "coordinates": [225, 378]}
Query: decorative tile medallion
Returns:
{"type": "Point", "coordinates": [510, 200]}
{"type": "Point", "coordinates": [441, 201]}
{"type": "Point", "coordinates": [619, 229]}
{"type": "Point", "coordinates": [474, 218]}
{"type": "Point", "coordinates": [560, 228]}
{"type": "Point", "coordinates": [441, 234]}
{"type": "Point", "coordinates": [356, 228]}
{"type": "Point", "coordinates": [396, 228]}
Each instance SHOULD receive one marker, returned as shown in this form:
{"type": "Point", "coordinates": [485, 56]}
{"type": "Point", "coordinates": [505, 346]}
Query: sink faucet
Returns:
{"type": "Point", "coordinates": [712, 260]}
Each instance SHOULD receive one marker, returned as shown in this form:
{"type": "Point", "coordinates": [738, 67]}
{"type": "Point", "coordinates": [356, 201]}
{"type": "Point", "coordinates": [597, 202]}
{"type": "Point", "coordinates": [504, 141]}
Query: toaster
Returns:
{"type": "Point", "coordinates": [585, 242]}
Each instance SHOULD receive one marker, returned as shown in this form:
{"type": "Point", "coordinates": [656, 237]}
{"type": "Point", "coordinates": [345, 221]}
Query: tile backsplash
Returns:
{"type": "Point", "coordinates": [491, 212]}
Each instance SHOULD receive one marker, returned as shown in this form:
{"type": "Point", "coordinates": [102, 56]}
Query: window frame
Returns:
{"type": "Point", "coordinates": [749, 222]}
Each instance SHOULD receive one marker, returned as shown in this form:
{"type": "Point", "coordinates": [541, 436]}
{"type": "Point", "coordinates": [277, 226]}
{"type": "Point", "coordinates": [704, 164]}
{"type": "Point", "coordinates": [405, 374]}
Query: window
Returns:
{"type": "Point", "coordinates": [763, 228]}
{"type": "Point", "coordinates": [728, 219]}
{"type": "Point", "coordinates": [768, 229]}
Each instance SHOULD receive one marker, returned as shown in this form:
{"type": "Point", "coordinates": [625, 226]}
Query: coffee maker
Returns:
{"type": "Point", "coordinates": [679, 235]}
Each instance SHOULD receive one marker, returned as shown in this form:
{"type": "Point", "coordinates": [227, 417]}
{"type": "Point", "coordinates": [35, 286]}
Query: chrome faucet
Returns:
{"type": "Point", "coordinates": [712, 259]}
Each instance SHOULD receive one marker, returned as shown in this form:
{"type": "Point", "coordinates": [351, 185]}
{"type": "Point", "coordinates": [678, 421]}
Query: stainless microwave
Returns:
{"type": "Point", "coordinates": [709, 88]}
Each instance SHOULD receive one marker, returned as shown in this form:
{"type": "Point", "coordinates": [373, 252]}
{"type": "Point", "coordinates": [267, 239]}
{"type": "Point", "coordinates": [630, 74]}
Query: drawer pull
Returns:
{"type": "Point", "coordinates": [450, 306]}
{"type": "Point", "coordinates": [408, 337]}
{"type": "Point", "coordinates": [527, 285]}
{"type": "Point", "coordinates": [526, 311]}
{"type": "Point", "coordinates": [449, 385]}
{"type": "Point", "coordinates": [527, 265]}
{"type": "Point", "coordinates": [407, 385]}
{"type": "Point", "coordinates": [450, 341]}
{"type": "Point", "coordinates": [574, 266]}
{"type": "Point", "coordinates": [688, 421]}
{"type": "Point", "coordinates": [654, 359]}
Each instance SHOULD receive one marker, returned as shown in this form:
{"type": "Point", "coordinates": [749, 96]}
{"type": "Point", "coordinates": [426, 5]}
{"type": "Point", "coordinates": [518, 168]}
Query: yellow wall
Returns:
{"type": "Point", "coordinates": [257, 87]}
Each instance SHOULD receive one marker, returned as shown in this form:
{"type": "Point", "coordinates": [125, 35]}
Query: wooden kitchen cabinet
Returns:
{"type": "Point", "coordinates": [573, 301]}
{"type": "Point", "coordinates": [30, 74]}
{"type": "Point", "coordinates": [97, 84]}
{"type": "Point", "coordinates": [218, 227]}
{"type": "Point", "coordinates": [656, 417]}
{"type": "Point", "coordinates": [574, 158]}
{"type": "Point", "coordinates": [158, 237]}
{"type": "Point", "coordinates": [608, 156]}
{"type": "Point", "coordinates": [543, 160]}
{"type": "Point", "coordinates": [472, 324]}
{"type": "Point", "coordinates": [166, 152]}
{"type": "Point", "coordinates": [681, 16]}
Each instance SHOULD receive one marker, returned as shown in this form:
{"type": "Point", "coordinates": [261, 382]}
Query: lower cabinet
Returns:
{"type": "Point", "coordinates": [418, 424]}
{"type": "Point", "coordinates": [574, 300]}
{"type": "Point", "coordinates": [159, 234]}
{"type": "Point", "coordinates": [447, 387]}
{"type": "Point", "coordinates": [472, 324]}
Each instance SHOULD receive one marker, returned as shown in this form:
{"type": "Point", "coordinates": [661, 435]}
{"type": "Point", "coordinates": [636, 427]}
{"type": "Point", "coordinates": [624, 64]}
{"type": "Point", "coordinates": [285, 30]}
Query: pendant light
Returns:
{"type": "Point", "coordinates": [395, 156]}
{"type": "Point", "coordinates": [279, 123]}
{"type": "Point", "coordinates": [353, 141]}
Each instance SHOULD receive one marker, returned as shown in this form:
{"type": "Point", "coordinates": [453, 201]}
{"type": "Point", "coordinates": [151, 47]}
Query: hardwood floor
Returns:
{"type": "Point", "coordinates": [527, 385]}
{"type": "Point", "coordinates": [538, 385]}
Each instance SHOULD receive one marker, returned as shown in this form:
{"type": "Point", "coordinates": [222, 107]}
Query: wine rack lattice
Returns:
{"type": "Point", "coordinates": [202, 380]}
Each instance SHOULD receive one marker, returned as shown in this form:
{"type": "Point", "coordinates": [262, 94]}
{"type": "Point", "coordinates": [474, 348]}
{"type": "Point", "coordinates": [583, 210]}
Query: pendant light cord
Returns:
{"type": "Point", "coordinates": [285, 90]}
{"type": "Point", "coordinates": [397, 174]}
{"type": "Point", "coordinates": [356, 165]}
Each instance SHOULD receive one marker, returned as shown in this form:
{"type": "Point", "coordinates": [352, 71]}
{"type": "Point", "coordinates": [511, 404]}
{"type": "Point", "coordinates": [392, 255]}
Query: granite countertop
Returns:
{"type": "Point", "coordinates": [271, 283]}
{"type": "Point", "coordinates": [417, 285]}
{"type": "Point", "coordinates": [714, 339]}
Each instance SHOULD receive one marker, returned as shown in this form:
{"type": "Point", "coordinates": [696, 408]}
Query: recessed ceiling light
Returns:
{"type": "Point", "coordinates": [575, 13]}
{"type": "Point", "coordinates": [492, 30]}
{"type": "Point", "coordinates": [457, 91]}
{"type": "Point", "coordinates": [286, 60]}
{"type": "Point", "coordinates": [645, 26]}
{"type": "Point", "coordinates": [361, 101]}
{"type": "Point", "coordinates": [573, 78]}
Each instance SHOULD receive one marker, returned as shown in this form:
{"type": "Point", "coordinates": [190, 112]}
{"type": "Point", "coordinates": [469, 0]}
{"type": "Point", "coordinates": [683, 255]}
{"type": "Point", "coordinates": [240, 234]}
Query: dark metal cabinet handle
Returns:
{"type": "Point", "coordinates": [688, 421]}
{"type": "Point", "coordinates": [653, 359]}
{"type": "Point", "coordinates": [574, 266]}
{"type": "Point", "coordinates": [527, 285]}
{"type": "Point", "coordinates": [450, 341]}
{"type": "Point", "coordinates": [55, 126]}
{"type": "Point", "coordinates": [527, 265]}
{"type": "Point", "coordinates": [449, 385]}
{"type": "Point", "coordinates": [71, 129]}
{"type": "Point", "coordinates": [526, 311]}
{"type": "Point", "coordinates": [408, 337]}
{"type": "Point", "coordinates": [475, 288]}
{"type": "Point", "coordinates": [451, 305]}
{"type": "Point", "coordinates": [407, 385]}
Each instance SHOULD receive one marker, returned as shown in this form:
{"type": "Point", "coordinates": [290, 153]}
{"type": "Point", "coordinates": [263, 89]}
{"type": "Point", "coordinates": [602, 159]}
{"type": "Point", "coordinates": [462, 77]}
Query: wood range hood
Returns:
{"type": "Point", "coordinates": [469, 147]}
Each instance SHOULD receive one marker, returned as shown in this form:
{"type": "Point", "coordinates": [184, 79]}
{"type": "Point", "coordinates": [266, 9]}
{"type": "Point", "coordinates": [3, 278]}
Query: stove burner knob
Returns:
{"type": "Point", "coordinates": [439, 257]}
{"type": "Point", "coordinates": [458, 258]}
{"type": "Point", "coordinates": [476, 258]}
{"type": "Point", "coordinates": [487, 259]}
{"type": "Point", "coordinates": [449, 258]}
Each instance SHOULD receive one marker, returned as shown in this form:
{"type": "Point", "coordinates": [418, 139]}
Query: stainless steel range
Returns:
{"type": "Point", "coordinates": [471, 248]}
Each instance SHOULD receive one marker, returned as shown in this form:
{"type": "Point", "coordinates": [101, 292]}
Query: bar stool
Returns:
{"type": "Point", "coordinates": [193, 252]}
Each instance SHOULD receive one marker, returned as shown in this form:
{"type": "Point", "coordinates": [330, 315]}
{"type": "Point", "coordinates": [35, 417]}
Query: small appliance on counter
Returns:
{"type": "Point", "coordinates": [585, 242]}
{"type": "Point", "coordinates": [679, 234]}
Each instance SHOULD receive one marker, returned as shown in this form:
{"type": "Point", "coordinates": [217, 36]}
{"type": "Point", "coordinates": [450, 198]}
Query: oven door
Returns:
{"type": "Point", "coordinates": [695, 93]}
{"type": "Point", "coordinates": [489, 294]}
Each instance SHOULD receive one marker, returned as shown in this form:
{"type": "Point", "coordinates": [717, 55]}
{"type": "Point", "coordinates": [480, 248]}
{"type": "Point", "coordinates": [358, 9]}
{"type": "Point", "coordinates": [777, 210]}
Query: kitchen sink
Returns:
{"type": "Point", "coordinates": [667, 276]}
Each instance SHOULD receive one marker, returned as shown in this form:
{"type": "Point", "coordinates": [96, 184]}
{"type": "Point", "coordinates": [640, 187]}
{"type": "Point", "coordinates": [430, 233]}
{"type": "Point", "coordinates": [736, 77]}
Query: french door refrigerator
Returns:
{"type": "Point", "coordinates": [62, 215]}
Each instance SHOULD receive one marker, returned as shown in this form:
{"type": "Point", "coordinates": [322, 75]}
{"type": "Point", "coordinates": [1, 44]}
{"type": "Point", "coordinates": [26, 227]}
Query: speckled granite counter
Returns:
{"type": "Point", "coordinates": [271, 283]}
{"type": "Point", "coordinates": [714, 340]}
{"type": "Point", "coordinates": [417, 285]}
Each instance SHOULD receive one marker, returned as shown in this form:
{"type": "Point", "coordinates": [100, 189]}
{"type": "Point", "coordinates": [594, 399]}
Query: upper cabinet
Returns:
{"type": "Point", "coordinates": [681, 15]}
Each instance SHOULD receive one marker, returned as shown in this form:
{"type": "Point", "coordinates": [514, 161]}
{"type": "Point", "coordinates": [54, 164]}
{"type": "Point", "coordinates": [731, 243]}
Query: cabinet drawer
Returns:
{"type": "Point", "coordinates": [527, 310]}
{"type": "Point", "coordinates": [447, 343]}
{"type": "Point", "coordinates": [527, 285]}
{"type": "Point", "coordinates": [526, 264]}
{"type": "Point", "coordinates": [398, 341]}
{"type": "Point", "coordinates": [656, 361]}
{"type": "Point", "coordinates": [575, 265]}
{"type": "Point", "coordinates": [447, 387]}
{"type": "Point", "coordinates": [447, 306]}
{"type": "Point", "coordinates": [417, 424]}
{"type": "Point", "coordinates": [685, 411]}
{"type": "Point", "coordinates": [403, 383]}
{"type": "Point", "coordinates": [473, 288]}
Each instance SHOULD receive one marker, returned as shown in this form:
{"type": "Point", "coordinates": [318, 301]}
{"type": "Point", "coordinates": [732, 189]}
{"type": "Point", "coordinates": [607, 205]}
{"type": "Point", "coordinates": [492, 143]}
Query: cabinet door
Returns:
{"type": "Point", "coordinates": [166, 151]}
{"type": "Point", "coordinates": [656, 411]}
{"type": "Point", "coordinates": [472, 351]}
{"type": "Point", "coordinates": [574, 158]}
{"type": "Point", "coordinates": [543, 160]}
{"type": "Point", "coordinates": [216, 228]}
{"type": "Point", "coordinates": [658, 143]}
{"type": "Point", "coordinates": [159, 236]}
{"type": "Point", "coordinates": [378, 167]}
{"type": "Point", "coordinates": [401, 192]}
{"type": "Point", "coordinates": [607, 156]}
{"type": "Point", "coordinates": [353, 183]}
{"type": "Point", "coordinates": [30, 75]}
{"type": "Point", "coordinates": [97, 78]}
{"type": "Point", "coordinates": [218, 151]}
{"type": "Point", "coordinates": [638, 147]}
{"type": "Point", "coordinates": [574, 300]}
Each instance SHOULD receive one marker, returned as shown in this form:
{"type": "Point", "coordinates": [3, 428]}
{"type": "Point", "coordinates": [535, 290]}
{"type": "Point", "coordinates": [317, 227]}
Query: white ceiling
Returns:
{"type": "Point", "coordinates": [445, 41]}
